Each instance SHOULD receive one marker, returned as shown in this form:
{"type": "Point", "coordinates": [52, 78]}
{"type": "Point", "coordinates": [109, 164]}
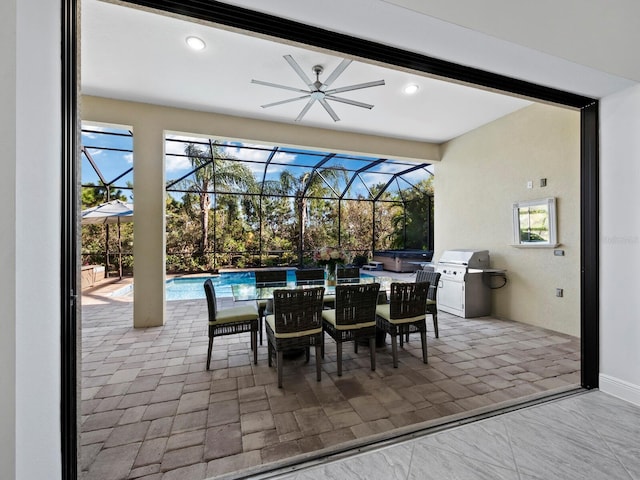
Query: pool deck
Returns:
{"type": "Point", "coordinates": [150, 410]}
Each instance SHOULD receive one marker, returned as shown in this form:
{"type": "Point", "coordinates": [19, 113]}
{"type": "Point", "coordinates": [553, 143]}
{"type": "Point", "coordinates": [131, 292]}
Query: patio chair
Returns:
{"type": "Point", "coordinates": [268, 278]}
{"type": "Point", "coordinates": [405, 313]}
{"type": "Point", "coordinates": [230, 321]}
{"type": "Point", "coordinates": [345, 275]}
{"type": "Point", "coordinates": [310, 276]}
{"type": "Point", "coordinates": [354, 318]}
{"type": "Point", "coordinates": [296, 322]}
{"type": "Point", "coordinates": [348, 274]}
{"type": "Point", "coordinates": [432, 297]}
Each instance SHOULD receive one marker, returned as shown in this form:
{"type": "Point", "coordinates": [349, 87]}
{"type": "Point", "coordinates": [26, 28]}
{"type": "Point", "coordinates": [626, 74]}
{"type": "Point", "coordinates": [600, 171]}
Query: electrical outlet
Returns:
{"type": "Point", "coordinates": [559, 292]}
{"type": "Point", "coordinates": [529, 184]}
{"type": "Point", "coordinates": [558, 253]}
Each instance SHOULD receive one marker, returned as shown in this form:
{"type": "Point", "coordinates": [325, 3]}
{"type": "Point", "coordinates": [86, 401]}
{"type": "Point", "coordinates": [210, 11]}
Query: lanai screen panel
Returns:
{"type": "Point", "coordinates": [107, 157]}
{"type": "Point", "coordinates": [271, 204]}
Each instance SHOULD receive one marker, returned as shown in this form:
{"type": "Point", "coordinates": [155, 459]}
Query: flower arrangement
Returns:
{"type": "Point", "coordinates": [330, 256]}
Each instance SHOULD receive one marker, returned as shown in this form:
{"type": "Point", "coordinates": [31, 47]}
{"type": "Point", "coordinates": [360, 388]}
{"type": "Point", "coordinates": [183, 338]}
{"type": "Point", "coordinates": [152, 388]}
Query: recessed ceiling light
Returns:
{"type": "Point", "coordinates": [196, 43]}
{"type": "Point", "coordinates": [411, 89]}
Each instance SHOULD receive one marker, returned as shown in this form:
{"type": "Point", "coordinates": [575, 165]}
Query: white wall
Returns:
{"type": "Point", "coordinates": [482, 174]}
{"type": "Point", "coordinates": [7, 238]}
{"type": "Point", "coordinates": [620, 245]}
{"type": "Point", "coordinates": [30, 239]}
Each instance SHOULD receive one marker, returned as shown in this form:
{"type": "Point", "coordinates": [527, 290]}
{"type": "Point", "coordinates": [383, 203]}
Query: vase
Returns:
{"type": "Point", "coordinates": [332, 274]}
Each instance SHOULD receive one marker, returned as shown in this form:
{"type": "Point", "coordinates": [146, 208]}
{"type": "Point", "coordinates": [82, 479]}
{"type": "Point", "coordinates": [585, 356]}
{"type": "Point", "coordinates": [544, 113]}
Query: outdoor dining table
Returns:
{"type": "Point", "coordinates": [247, 292]}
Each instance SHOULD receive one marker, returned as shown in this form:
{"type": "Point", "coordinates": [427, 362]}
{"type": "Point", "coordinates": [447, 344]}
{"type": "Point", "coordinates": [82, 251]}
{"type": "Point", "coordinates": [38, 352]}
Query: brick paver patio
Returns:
{"type": "Point", "coordinates": [151, 411]}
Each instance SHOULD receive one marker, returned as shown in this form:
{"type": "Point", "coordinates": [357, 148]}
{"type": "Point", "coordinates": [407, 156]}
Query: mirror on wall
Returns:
{"type": "Point", "coordinates": [534, 223]}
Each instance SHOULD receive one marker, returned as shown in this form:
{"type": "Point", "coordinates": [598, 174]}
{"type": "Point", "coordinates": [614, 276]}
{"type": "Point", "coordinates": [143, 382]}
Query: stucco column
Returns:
{"type": "Point", "coordinates": [149, 225]}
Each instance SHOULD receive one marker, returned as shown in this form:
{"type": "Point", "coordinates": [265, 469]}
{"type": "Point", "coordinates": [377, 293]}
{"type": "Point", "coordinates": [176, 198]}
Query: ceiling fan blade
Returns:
{"type": "Point", "coordinates": [355, 87]}
{"type": "Point", "coordinates": [349, 102]}
{"type": "Point", "coordinates": [336, 73]}
{"type": "Point", "coordinates": [276, 85]}
{"type": "Point", "coordinates": [305, 109]}
{"type": "Point", "coordinates": [285, 101]}
{"type": "Point", "coordinates": [298, 70]}
{"type": "Point", "coordinates": [329, 110]}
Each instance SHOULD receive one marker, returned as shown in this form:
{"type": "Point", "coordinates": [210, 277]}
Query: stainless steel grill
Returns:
{"type": "Point", "coordinates": [462, 290]}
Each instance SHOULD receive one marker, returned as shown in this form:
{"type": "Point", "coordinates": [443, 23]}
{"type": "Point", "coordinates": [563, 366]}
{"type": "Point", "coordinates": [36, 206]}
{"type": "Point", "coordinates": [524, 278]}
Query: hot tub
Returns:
{"type": "Point", "coordinates": [90, 274]}
{"type": "Point", "coordinates": [402, 260]}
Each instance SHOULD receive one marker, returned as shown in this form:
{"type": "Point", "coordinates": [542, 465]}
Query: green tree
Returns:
{"type": "Point", "coordinates": [95, 238]}
{"type": "Point", "coordinates": [357, 226]}
{"type": "Point", "coordinates": [214, 171]}
{"type": "Point", "coordinates": [411, 223]}
{"type": "Point", "coordinates": [93, 195]}
{"type": "Point", "coordinates": [312, 183]}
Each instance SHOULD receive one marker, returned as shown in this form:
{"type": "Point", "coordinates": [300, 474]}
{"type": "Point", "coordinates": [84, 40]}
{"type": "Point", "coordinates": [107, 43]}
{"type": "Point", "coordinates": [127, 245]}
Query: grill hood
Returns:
{"type": "Point", "coordinates": [466, 258]}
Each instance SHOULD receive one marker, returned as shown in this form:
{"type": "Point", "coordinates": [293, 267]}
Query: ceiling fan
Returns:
{"type": "Point", "coordinates": [319, 91]}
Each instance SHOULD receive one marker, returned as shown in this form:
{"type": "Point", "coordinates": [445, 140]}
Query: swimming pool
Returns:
{"type": "Point", "coordinates": [190, 288]}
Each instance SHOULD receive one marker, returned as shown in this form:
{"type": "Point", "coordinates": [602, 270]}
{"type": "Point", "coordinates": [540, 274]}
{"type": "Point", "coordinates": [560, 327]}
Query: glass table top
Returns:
{"type": "Point", "coordinates": [243, 292]}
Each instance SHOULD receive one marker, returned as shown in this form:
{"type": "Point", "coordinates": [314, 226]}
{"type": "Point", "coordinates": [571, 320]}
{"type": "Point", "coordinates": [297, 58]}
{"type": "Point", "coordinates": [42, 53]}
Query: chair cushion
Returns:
{"type": "Point", "coordinates": [330, 317]}
{"type": "Point", "coordinates": [271, 322]}
{"type": "Point", "coordinates": [383, 311]}
{"type": "Point", "coordinates": [236, 314]}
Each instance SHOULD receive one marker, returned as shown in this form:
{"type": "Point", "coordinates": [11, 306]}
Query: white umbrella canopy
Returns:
{"type": "Point", "coordinates": [113, 212]}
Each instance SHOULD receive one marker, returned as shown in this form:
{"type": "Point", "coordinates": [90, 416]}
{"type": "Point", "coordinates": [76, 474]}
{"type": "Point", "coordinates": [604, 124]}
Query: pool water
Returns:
{"type": "Point", "coordinates": [192, 288]}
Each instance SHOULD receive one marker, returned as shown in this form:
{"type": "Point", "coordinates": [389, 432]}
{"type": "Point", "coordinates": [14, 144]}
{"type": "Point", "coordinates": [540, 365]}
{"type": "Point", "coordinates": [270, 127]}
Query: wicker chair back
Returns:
{"type": "Point", "coordinates": [310, 276]}
{"type": "Point", "coordinates": [356, 303]}
{"type": "Point", "coordinates": [297, 310]}
{"type": "Point", "coordinates": [271, 278]}
{"type": "Point", "coordinates": [348, 273]}
{"type": "Point", "coordinates": [211, 299]}
{"type": "Point", "coordinates": [433, 278]}
{"type": "Point", "coordinates": [408, 299]}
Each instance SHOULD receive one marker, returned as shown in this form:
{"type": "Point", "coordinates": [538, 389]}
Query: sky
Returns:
{"type": "Point", "coordinates": [113, 154]}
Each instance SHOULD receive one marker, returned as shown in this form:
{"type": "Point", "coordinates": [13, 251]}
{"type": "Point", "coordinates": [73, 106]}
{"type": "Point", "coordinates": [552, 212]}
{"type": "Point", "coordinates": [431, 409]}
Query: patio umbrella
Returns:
{"type": "Point", "coordinates": [113, 212]}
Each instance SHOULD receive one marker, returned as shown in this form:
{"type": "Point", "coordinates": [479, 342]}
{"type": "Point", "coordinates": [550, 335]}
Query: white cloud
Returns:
{"type": "Point", "coordinates": [95, 128]}
{"type": "Point", "coordinates": [286, 157]}
{"type": "Point", "coordinates": [175, 164]}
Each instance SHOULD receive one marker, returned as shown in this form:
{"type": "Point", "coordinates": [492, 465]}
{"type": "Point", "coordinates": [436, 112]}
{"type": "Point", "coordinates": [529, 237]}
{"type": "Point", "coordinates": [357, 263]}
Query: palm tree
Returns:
{"type": "Point", "coordinates": [309, 184]}
{"type": "Point", "coordinates": [214, 170]}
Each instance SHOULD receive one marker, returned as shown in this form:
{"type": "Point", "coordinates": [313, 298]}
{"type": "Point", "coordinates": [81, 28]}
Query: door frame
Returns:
{"type": "Point", "coordinates": [264, 24]}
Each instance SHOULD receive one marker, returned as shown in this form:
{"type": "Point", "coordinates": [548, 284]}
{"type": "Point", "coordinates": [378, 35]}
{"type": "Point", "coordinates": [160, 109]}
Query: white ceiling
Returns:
{"type": "Point", "coordinates": [158, 67]}
{"type": "Point", "coordinates": [454, 34]}
{"type": "Point", "coordinates": [134, 55]}
{"type": "Point", "coordinates": [597, 33]}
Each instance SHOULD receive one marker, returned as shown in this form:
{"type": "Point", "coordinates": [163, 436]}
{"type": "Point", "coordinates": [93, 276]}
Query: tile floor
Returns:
{"type": "Point", "coordinates": [585, 436]}
{"type": "Point", "coordinates": [151, 411]}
